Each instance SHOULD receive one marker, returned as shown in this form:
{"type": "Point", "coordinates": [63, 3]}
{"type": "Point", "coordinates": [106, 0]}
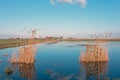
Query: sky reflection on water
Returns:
{"type": "Point", "coordinates": [60, 61]}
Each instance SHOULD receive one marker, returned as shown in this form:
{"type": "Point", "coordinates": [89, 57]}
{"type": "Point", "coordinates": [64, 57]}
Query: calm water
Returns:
{"type": "Point", "coordinates": [59, 61]}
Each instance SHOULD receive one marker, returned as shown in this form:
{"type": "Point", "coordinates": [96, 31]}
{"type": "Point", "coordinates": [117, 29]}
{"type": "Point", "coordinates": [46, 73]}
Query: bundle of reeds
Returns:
{"type": "Point", "coordinates": [97, 51]}
{"type": "Point", "coordinates": [94, 53]}
{"type": "Point", "coordinates": [27, 53]}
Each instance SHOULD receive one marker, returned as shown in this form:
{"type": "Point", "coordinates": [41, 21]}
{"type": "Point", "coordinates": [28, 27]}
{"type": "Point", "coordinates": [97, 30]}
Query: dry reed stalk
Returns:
{"type": "Point", "coordinates": [26, 53]}
{"type": "Point", "coordinates": [97, 51]}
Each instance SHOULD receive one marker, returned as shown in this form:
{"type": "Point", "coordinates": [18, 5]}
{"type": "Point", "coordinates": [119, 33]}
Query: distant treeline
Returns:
{"type": "Point", "coordinates": [77, 39]}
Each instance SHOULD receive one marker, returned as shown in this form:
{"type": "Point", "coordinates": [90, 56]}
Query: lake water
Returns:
{"type": "Point", "coordinates": [60, 61]}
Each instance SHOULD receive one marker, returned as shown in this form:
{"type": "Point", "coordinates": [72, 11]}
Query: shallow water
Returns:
{"type": "Point", "coordinates": [60, 61]}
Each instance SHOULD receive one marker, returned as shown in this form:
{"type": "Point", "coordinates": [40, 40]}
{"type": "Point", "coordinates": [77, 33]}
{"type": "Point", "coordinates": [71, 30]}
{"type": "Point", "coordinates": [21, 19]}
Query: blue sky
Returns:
{"type": "Point", "coordinates": [97, 16]}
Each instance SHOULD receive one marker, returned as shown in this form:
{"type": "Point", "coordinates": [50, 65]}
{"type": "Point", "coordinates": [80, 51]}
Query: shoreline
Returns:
{"type": "Point", "coordinates": [16, 43]}
{"type": "Point", "coordinates": [77, 39]}
{"type": "Point", "coordinates": [9, 43]}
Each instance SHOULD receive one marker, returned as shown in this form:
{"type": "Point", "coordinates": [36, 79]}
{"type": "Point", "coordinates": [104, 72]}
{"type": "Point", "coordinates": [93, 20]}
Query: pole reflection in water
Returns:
{"type": "Point", "coordinates": [94, 70]}
{"type": "Point", "coordinates": [27, 71]}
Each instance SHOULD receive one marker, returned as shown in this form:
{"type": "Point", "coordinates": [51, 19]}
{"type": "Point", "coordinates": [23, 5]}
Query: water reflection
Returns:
{"type": "Point", "coordinates": [27, 71]}
{"type": "Point", "coordinates": [88, 71]}
{"type": "Point", "coordinates": [94, 70]}
{"type": "Point", "coordinates": [53, 75]}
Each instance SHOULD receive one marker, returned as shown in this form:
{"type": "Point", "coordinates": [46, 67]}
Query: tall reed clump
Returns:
{"type": "Point", "coordinates": [26, 54]}
{"type": "Point", "coordinates": [97, 50]}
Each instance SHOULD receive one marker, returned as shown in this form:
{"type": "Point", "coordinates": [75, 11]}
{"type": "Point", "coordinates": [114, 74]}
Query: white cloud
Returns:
{"type": "Point", "coordinates": [52, 2]}
{"type": "Point", "coordinates": [81, 2]}
{"type": "Point", "coordinates": [66, 1]}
